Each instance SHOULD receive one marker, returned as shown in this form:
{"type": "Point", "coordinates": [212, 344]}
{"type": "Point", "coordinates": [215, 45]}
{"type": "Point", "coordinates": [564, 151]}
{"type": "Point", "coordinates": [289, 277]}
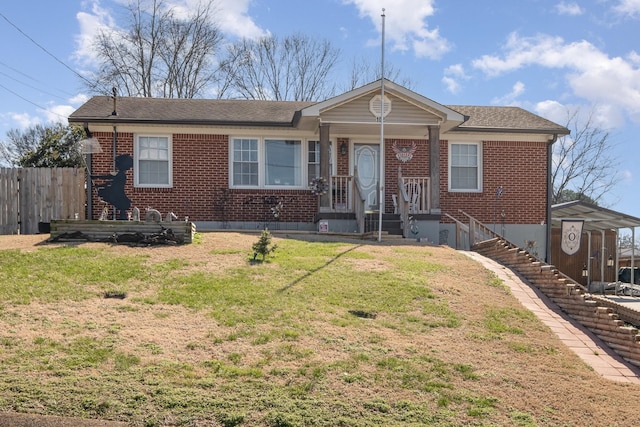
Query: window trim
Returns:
{"type": "Point", "coordinates": [136, 160]}
{"type": "Point", "coordinates": [332, 160]}
{"type": "Point", "coordinates": [304, 162]}
{"type": "Point", "coordinates": [479, 168]}
{"type": "Point", "coordinates": [231, 161]}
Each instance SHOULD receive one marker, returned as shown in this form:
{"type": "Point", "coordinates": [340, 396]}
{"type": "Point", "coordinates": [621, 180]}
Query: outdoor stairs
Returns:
{"type": "Point", "coordinates": [391, 223]}
{"type": "Point", "coordinates": [605, 318]}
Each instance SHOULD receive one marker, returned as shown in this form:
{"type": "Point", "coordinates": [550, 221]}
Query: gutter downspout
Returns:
{"type": "Point", "coordinates": [549, 194]}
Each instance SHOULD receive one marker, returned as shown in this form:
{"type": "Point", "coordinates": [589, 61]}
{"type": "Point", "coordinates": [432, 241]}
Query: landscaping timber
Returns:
{"type": "Point", "coordinates": [107, 231]}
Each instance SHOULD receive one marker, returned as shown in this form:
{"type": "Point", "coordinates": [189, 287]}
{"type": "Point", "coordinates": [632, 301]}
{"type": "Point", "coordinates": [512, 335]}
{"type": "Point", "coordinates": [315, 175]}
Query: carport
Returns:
{"type": "Point", "coordinates": [601, 227]}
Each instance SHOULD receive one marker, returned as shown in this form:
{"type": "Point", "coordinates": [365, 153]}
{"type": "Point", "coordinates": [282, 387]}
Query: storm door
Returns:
{"type": "Point", "coordinates": [366, 160]}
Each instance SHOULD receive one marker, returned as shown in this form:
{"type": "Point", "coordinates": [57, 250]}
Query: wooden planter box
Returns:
{"type": "Point", "coordinates": [65, 230]}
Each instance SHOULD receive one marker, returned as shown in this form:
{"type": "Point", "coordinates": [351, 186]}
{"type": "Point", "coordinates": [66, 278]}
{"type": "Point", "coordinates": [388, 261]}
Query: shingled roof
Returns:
{"type": "Point", "coordinates": [188, 111]}
{"type": "Point", "coordinates": [278, 113]}
{"type": "Point", "coordinates": [507, 118]}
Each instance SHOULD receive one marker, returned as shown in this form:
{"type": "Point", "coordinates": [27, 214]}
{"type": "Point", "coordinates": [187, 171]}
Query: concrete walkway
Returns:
{"type": "Point", "coordinates": [578, 338]}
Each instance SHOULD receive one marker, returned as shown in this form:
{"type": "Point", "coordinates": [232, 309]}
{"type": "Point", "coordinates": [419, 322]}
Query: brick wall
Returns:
{"type": "Point", "coordinates": [519, 167]}
{"type": "Point", "coordinates": [201, 184]}
{"type": "Point", "coordinates": [418, 166]}
{"type": "Point", "coordinates": [201, 188]}
{"type": "Point", "coordinates": [343, 160]}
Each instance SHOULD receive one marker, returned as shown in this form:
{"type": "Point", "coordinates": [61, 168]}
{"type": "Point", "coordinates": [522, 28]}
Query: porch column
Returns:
{"type": "Point", "coordinates": [434, 168]}
{"type": "Point", "coordinates": [325, 200]}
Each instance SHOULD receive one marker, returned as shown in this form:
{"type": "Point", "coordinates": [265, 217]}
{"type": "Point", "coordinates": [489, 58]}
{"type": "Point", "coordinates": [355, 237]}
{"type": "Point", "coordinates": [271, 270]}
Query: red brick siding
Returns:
{"type": "Point", "coordinates": [343, 160]}
{"type": "Point", "coordinates": [255, 205]}
{"type": "Point", "coordinates": [201, 184]}
{"type": "Point", "coordinates": [418, 166]}
{"type": "Point", "coordinates": [519, 167]}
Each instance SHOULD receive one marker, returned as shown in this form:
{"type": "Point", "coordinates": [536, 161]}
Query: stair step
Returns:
{"type": "Point", "coordinates": [391, 223]}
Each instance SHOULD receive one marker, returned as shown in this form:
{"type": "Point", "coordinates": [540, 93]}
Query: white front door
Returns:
{"type": "Point", "coordinates": [366, 160]}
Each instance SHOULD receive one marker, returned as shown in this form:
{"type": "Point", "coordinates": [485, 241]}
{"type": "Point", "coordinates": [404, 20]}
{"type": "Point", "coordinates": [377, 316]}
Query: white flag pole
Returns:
{"type": "Point", "coordinates": [382, 177]}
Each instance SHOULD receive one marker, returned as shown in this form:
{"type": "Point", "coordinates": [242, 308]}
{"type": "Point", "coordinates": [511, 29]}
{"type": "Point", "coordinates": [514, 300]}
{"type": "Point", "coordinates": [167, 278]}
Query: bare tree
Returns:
{"type": "Point", "coordinates": [584, 166]}
{"type": "Point", "coordinates": [296, 68]}
{"type": "Point", "coordinates": [160, 54]}
{"type": "Point", "coordinates": [363, 72]}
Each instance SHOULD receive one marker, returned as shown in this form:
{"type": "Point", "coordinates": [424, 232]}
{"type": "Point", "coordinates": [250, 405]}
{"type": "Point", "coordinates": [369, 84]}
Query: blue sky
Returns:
{"type": "Point", "coordinates": [542, 55]}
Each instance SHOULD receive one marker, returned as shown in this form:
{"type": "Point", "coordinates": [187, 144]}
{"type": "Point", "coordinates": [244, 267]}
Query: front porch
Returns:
{"type": "Point", "coordinates": [344, 206]}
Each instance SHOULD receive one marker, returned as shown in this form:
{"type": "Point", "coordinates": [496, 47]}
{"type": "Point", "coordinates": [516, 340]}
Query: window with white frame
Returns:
{"type": "Point", "coordinates": [245, 162]}
{"type": "Point", "coordinates": [152, 155]}
{"type": "Point", "coordinates": [313, 162]}
{"type": "Point", "coordinates": [283, 162]}
{"type": "Point", "coordinates": [465, 167]}
{"type": "Point", "coordinates": [268, 162]}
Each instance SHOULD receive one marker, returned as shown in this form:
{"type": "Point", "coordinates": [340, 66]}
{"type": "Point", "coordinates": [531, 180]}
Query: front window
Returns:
{"type": "Point", "coordinates": [283, 162]}
{"type": "Point", "coordinates": [464, 167]}
{"type": "Point", "coordinates": [269, 162]}
{"type": "Point", "coordinates": [153, 161]}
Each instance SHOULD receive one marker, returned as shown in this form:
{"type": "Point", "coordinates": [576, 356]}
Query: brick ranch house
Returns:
{"type": "Point", "coordinates": [244, 164]}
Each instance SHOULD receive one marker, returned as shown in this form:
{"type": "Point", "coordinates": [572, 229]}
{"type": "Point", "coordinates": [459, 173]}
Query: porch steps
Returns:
{"type": "Point", "coordinates": [391, 223]}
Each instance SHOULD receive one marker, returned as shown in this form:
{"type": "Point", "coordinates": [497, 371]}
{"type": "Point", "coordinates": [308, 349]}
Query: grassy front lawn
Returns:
{"type": "Point", "coordinates": [320, 334]}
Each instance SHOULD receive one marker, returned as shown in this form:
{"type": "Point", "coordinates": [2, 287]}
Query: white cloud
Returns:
{"type": "Point", "coordinates": [91, 23]}
{"type": "Point", "coordinates": [452, 77]}
{"type": "Point", "coordinates": [230, 16]}
{"type": "Point", "coordinates": [566, 8]}
{"type": "Point", "coordinates": [405, 25]}
{"type": "Point", "coordinates": [510, 99]}
{"type": "Point", "coordinates": [552, 110]}
{"type": "Point", "coordinates": [628, 7]}
{"type": "Point", "coordinates": [54, 113]}
{"type": "Point", "coordinates": [233, 19]}
{"type": "Point", "coordinates": [23, 120]}
{"type": "Point", "coordinates": [79, 99]}
{"type": "Point", "coordinates": [58, 113]}
{"type": "Point", "coordinates": [611, 83]}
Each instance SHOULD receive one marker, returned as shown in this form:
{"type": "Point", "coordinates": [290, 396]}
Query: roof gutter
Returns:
{"type": "Point", "coordinates": [554, 132]}
{"type": "Point", "coordinates": [111, 121]}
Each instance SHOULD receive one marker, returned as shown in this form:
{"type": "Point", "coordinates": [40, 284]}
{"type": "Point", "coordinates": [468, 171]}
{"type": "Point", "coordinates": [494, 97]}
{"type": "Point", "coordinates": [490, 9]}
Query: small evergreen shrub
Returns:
{"type": "Point", "coordinates": [263, 246]}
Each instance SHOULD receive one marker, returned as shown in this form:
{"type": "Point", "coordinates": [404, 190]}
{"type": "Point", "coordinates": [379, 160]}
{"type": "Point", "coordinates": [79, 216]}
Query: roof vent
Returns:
{"type": "Point", "coordinates": [375, 106]}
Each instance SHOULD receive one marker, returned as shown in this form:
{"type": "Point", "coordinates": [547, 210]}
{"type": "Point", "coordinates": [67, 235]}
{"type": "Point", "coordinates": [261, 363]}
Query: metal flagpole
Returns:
{"type": "Point", "coordinates": [381, 178]}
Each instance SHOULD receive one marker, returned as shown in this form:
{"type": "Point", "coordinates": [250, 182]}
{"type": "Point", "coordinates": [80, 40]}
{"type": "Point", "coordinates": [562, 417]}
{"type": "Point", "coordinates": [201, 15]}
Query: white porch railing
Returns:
{"type": "Point", "coordinates": [418, 191]}
{"type": "Point", "coordinates": [340, 191]}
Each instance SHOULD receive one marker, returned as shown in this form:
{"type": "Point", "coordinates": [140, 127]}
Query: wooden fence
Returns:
{"type": "Point", "coordinates": [30, 196]}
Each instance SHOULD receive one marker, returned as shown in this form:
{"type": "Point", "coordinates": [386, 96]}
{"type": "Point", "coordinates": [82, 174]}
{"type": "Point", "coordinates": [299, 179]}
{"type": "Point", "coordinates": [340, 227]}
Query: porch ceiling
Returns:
{"type": "Point", "coordinates": [595, 217]}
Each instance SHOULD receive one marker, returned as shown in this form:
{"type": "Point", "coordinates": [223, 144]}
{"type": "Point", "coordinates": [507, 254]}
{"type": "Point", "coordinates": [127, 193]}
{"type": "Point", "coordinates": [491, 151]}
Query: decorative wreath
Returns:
{"type": "Point", "coordinates": [319, 186]}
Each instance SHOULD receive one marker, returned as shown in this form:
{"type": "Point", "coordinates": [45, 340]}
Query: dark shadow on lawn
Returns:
{"type": "Point", "coordinates": [308, 274]}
